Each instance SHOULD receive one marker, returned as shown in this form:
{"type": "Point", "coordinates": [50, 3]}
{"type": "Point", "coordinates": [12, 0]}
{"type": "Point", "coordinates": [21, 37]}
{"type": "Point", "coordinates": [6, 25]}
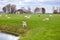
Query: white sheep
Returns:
{"type": "Point", "coordinates": [24, 24]}
{"type": "Point", "coordinates": [28, 16]}
{"type": "Point", "coordinates": [50, 15]}
{"type": "Point", "coordinates": [46, 19]}
{"type": "Point", "coordinates": [25, 16]}
{"type": "Point", "coordinates": [9, 17]}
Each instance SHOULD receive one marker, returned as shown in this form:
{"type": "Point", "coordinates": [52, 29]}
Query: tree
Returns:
{"type": "Point", "coordinates": [43, 10]}
{"type": "Point", "coordinates": [29, 10]}
{"type": "Point", "coordinates": [9, 8]}
{"type": "Point", "coordinates": [36, 10]}
{"type": "Point", "coordinates": [55, 11]}
{"type": "Point", "coordinates": [4, 9]}
{"type": "Point", "coordinates": [13, 8]}
{"type": "Point", "coordinates": [59, 10]}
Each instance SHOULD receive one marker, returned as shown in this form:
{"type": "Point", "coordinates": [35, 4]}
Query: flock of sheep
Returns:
{"type": "Point", "coordinates": [24, 23]}
{"type": "Point", "coordinates": [48, 18]}
{"type": "Point", "coordinates": [5, 16]}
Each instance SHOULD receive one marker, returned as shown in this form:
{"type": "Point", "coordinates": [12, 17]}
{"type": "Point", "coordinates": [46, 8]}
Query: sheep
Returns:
{"type": "Point", "coordinates": [25, 16]}
{"type": "Point", "coordinates": [28, 16]}
{"type": "Point", "coordinates": [46, 19]}
{"type": "Point", "coordinates": [50, 15]}
{"type": "Point", "coordinates": [24, 24]}
{"type": "Point", "coordinates": [9, 17]}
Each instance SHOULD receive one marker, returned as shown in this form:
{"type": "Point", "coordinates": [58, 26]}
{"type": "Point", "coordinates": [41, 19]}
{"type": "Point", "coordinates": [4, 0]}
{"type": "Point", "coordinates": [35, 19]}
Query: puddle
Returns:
{"type": "Point", "coordinates": [4, 36]}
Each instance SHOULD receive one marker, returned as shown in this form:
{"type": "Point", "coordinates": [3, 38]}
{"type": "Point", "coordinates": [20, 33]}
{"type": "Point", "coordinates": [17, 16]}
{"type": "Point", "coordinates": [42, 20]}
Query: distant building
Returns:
{"type": "Point", "coordinates": [19, 11]}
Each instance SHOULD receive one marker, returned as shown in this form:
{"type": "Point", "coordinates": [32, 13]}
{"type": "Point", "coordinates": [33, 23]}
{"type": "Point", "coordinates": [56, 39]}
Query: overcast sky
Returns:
{"type": "Point", "coordinates": [47, 4]}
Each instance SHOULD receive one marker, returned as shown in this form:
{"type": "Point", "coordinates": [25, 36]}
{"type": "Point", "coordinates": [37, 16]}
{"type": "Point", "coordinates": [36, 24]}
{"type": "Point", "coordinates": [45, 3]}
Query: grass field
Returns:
{"type": "Point", "coordinates": [39, 29]}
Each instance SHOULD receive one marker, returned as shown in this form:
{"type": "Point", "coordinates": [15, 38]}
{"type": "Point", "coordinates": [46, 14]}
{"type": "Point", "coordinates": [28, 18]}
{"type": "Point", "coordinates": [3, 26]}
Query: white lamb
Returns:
{"type": "Point", "coordinates": [24, 24]}
{"type": "Point", "coordinates": [25, 16]}
{"type": "Point", "coordinates": [50, 15]}
{"type": "Point", "coordinates": [9, 17]}
{"type": "Point", "coordinates": [28, 16]}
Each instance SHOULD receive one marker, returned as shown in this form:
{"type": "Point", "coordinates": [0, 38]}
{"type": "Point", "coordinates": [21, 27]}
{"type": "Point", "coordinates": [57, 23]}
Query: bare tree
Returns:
{"type": "Point", "coordinates": [59, 10]}
{"type": "Point", "coordinates": [29, 10]}
{"type": "Point", "coordinates": [43, 10]}
{"type": "Point", "coordinates": [8, 8]}
{"type": "Point", "coordinates": [55, 11]}
{"type": "Point", "coordinates": [4, 9]}
{"type": "Point", "coordinates": [13, 8]}
{"type": "Point", "coordinates": [36, 10]}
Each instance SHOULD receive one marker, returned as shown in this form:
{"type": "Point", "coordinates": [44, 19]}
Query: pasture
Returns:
{"type": "Point", "coordinates": [38, 29]}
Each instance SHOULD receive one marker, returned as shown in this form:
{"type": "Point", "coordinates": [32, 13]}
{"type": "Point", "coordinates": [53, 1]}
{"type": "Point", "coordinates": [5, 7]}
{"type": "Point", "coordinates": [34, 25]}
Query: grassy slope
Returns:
{"type": "Point", "coordinates": [39, 30]}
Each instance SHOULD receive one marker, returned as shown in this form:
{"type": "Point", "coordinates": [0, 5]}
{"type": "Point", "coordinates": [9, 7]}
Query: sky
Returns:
{"type": "Point", "coordinates": [47, 4]}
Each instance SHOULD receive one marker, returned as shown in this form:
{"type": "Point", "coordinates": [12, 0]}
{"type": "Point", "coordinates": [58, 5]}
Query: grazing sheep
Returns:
{"type": "Point", "coordinates": [24, 24]}
{"type": "Point", "coordinates": [9, 17]}
{"type": "Point", "coordinates": [28, 16]}
{"type": "Point", "coordinates": [25, 16]}
{"type": "Point", "coordinates": [46, 19]}
{"type": "Point", "coordinates": [50, 15]}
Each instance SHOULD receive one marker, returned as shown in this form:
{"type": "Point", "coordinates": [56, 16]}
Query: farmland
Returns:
{"type": "Point", "coordinates": [36, 28]}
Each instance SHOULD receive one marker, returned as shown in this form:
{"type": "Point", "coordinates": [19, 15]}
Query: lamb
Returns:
{"type": "Point", "coordinates": [9, 17]}
{"type": "Point", "coordinates": [28, 16]}
{"type": "Point", "coordinates": [50, 15]}
{"type": "Point", "coordinates": [24, 24]}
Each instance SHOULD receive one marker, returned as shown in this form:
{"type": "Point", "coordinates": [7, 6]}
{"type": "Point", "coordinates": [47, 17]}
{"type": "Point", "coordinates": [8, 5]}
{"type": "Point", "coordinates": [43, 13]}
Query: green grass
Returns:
{"type": "Point", "coordinates": [39, 29]}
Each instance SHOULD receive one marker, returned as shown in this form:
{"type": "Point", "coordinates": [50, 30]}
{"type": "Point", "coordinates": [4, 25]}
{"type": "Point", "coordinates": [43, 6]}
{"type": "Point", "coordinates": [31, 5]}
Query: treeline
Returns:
{"type": "Point", "coordinates": [11, 8]}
